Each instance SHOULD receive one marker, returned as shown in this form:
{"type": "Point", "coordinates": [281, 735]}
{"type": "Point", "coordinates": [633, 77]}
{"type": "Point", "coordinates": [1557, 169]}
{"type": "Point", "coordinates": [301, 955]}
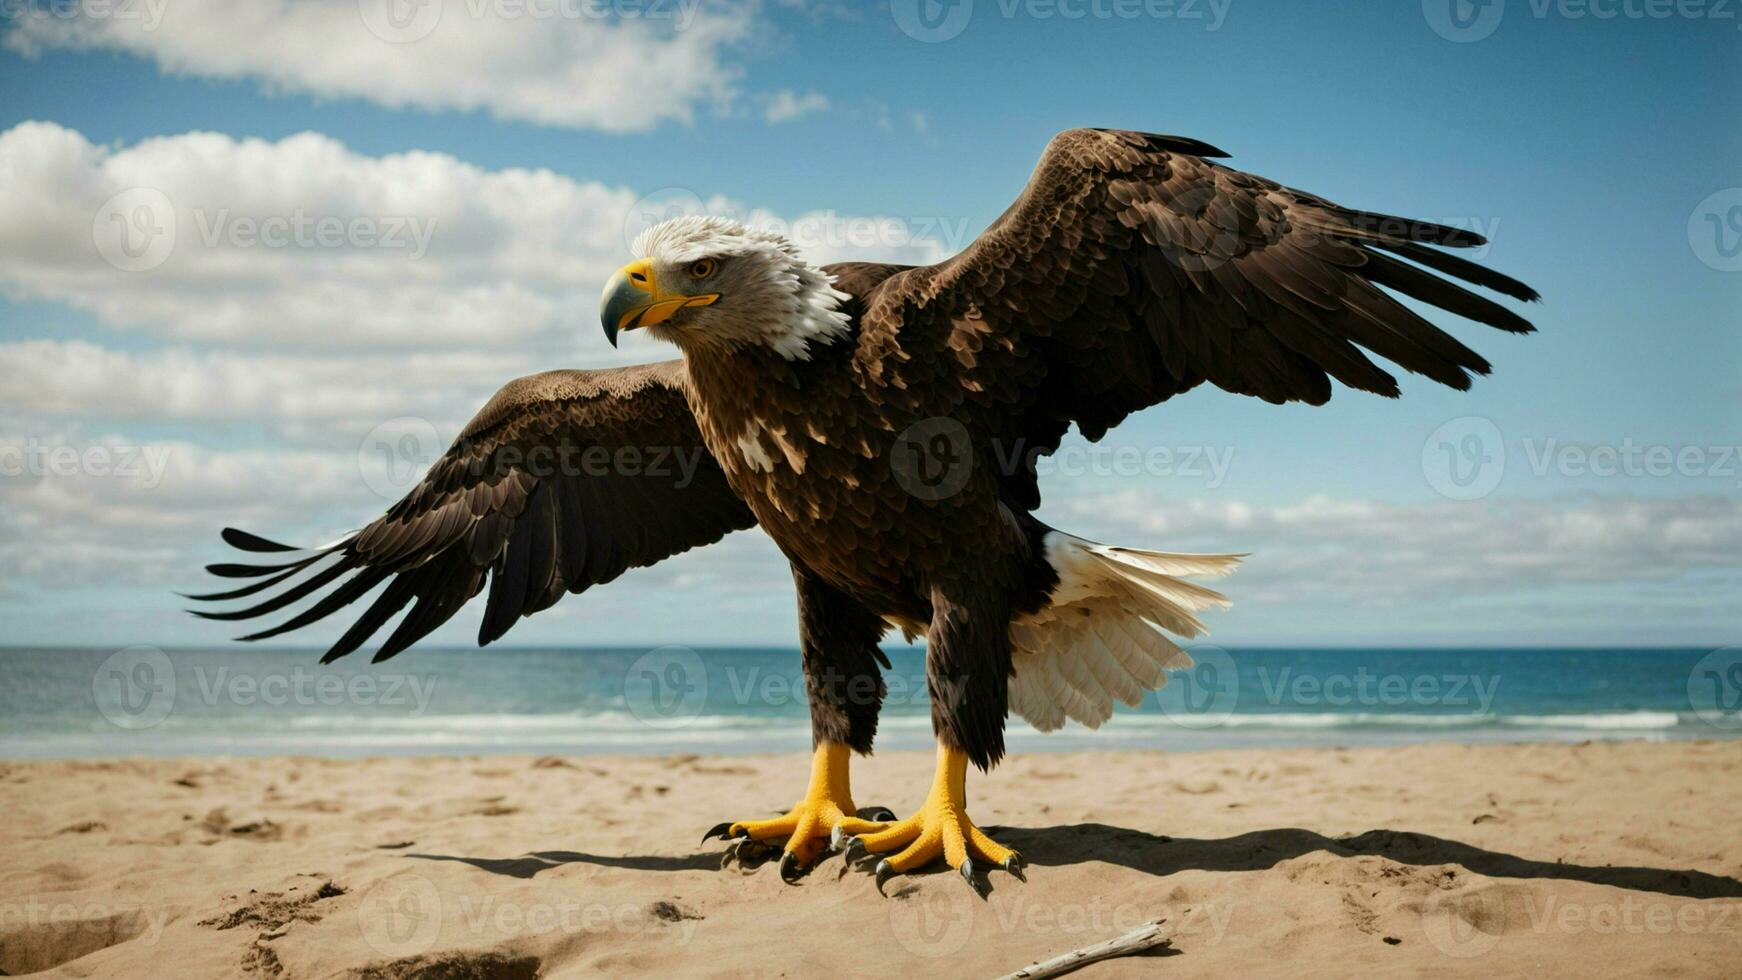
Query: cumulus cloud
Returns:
{"type": "Point", "coordinates": [110, 510]}
{"type": "Point", "coordinates": [300, 241]}
{"type": "Point", "coordinates": [575, 63]}
{"type": "Point", "coordinates": [304, 243]}
{"type": "Point", "coordinates": [292, 395]}
{"type": "Point", "coordinates": [1364, 552]}
{"type": "Point", "coordinates": [80, 509]}
{"type": "Point", "coordinates": [1321, 570]}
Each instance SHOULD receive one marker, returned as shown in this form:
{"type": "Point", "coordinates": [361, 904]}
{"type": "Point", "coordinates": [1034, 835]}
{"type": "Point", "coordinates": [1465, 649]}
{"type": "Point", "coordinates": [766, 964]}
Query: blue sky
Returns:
{"type": "Point", "coordinates": [1590, 149]}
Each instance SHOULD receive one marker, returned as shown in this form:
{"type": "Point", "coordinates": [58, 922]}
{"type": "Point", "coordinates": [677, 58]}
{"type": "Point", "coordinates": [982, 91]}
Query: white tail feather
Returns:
{"type": "Point", "coordinates": [1098, 641]}
{"type": "Point", "coordinates": [1165, 563]}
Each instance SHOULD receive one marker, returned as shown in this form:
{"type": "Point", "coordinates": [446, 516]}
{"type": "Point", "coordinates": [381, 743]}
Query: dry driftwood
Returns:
{"type": "Point", "coordinates": [1146, 936]}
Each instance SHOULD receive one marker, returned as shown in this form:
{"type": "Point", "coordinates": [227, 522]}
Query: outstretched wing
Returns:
{"type": "Point", "coordinates": [564, 480]}
{"type": "Point", "coordinates": [1132, 269]}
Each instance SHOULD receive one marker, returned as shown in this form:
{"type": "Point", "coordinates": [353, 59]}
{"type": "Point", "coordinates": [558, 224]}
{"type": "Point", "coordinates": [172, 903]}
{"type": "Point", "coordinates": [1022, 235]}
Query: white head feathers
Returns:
{"type": "Point", "coordinates": [768, 293]}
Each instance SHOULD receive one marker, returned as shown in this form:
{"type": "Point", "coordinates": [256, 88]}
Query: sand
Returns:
{"type": "Point", "coordinates": [1543, 860]}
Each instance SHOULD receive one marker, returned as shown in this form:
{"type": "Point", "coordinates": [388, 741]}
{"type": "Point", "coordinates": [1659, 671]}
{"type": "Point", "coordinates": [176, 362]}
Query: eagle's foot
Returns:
{"type": "Point", "coordinates": [816, 824]}
{"type": "Point", "coordinates": [941, 829]}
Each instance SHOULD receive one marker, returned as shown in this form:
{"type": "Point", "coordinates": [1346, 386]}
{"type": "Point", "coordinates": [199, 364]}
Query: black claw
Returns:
{"type": "Point", "coordinates": [884, 873]}
{"type": "Point", "coordinates": [881, 814]}
{"type": "Point", "coordinates": [980, 887]}
{"type": "Point", "coordinates": [724, 832]}
{"type": "Point", "coordinates": [1014, 864]}
{"type": "Point", "coordinates": [853, 850]}
{"type": "Point", "coordinates": [790, 872]}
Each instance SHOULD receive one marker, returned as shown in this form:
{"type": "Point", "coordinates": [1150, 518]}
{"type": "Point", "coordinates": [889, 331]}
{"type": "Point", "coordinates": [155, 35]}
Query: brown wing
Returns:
{"type": "Point", "coordinates": [1132, 269]}
{"type": "Point", "coordinates": [564, 480]}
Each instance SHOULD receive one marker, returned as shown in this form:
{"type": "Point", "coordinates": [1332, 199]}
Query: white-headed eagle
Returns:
{"type": "Point", "coordinates": [881, 424]}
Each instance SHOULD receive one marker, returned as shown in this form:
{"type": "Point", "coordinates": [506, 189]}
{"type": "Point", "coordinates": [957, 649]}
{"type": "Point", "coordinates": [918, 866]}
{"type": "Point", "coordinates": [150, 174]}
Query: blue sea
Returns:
{"type": "Point", "coordinates": [144, 701]}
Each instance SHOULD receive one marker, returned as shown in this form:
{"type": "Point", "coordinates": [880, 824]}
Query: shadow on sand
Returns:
{"type": "Point", "coordinates": [1161, 856]}
{"type": "Point", "coordinates": [530, 865]}
{"type": "Point", "coordinates": [1151, 854]}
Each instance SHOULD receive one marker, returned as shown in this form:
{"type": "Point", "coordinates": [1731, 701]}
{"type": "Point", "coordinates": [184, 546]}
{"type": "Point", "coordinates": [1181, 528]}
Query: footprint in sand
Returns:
{"type": "Point", "coordinates": [34, 946]}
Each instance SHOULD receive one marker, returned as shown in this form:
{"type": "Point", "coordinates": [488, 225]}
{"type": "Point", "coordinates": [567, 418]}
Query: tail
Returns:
{"type": "Point", "coordinates": [1100, 640]}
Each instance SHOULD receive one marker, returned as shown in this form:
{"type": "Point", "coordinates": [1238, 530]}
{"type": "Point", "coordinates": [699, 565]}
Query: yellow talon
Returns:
{"type": "Point", "coordinates": [809, 826]}
{"type": "Point", "coordinates": [941, 828]}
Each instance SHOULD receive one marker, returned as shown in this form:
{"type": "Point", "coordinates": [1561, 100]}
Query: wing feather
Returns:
{"type": "Point", "coordinates": [1132, 268]}
{"type": "Point", "coordinates": [519, 503]}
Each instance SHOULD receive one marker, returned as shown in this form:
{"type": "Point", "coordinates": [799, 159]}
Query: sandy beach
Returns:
{"type": "Point", "coordinates": [1595, 859]}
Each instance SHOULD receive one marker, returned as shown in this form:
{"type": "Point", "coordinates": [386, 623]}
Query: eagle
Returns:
{"type": "Point", "coordinates": [881, 423]}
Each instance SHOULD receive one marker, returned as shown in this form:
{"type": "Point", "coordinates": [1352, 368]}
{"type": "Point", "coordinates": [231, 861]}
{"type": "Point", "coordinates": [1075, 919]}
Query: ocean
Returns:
{"type": "Point", "coordinates": [142, 701]}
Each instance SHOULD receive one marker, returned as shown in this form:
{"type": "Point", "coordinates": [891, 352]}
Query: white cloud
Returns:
{"type": "Point", "coordinates": [291, 394]}
{"type": "Point", "coordinates": [1359, 553]}
{"type": "Point", "coordinates": [79, 510]}
{"type": "Point", "coordinates": [230, 236]}
{"type": "Point", "coordinates": [555, 63]}
{"type": "Point", "coordinates": [1316, 565]}
{"type": "Point", "coordinates": [787, 105]}
{"type": "Point", "coordinates": [304, 243]}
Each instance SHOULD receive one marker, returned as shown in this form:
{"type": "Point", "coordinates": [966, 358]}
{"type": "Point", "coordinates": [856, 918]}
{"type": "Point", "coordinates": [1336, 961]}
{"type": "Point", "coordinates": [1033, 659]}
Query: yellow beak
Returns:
{"type": "Point", "coordinates": [632, 299]}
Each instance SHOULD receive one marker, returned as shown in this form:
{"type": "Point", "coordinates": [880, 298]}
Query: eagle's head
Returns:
{"type": "Point", "coordinates": [709, 284]}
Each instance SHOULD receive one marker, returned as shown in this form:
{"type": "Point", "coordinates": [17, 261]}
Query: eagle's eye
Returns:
{"type": "Point", "coordinates": [702, 268]}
